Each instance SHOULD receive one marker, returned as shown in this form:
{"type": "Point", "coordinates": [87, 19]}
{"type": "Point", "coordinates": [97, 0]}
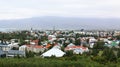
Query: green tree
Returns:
{"type": "Point", "coordinates": [77, 42]}
{"type": "Point", "coordinates": [95, 52]}
{"type": "Point", "coordinates": [118, 53]}
{"type": "Point", "coordinates": [99, 45]}
{"type": "Point", "coordinates": [39, 42]}
{"type": "Point", "coordinates": [29, 54]}
{"type": "Point", "coordinates": [22, 42]}
{"type": "Point", "coordinates": [109, 55]}
{"type": "Point", "coordinates": [69, 53]}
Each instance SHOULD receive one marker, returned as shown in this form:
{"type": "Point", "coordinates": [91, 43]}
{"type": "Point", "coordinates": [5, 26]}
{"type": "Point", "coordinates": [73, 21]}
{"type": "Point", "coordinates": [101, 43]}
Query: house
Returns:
{"type": "Point", "coordinates": [48, 46]}
{"type": "Point", "coordinates": [80, 50]}
{"type": "Point", "coordinates": [14, 40]}
{"type": "Point", "coordinates": [38, 49]}
{"type": "Point", "coordinates": [2, 53]}
{"type": "Point", "coordinates": [13, 53]}
{"type": "Point", "coordinates": [23, 48]}
{"type": "Point", "coordinates": [77, 49]}
{"type": "Point", "coordinates": [112, 44]}
{"type": "Point", "coordinates": [35, 41]}
{"type": "Point", "coordinates": [5, 47]}
{"type": "Point", "coordinates": [70, 45]}
{"type": "Point", "coordinates": [51, 37]}
{"type": "Point", "coordinates": [13, 45]}
{"type": "Point", "coordinates": [34, 48]}
{"type": "Point", "coordinates": [92, 42]}
{"type": "Point", "coordinates": [53, 52]}
{"type": "Point", "coordinates": [67, 41]}
{"type": "Point", "coordinates": [57, 46]}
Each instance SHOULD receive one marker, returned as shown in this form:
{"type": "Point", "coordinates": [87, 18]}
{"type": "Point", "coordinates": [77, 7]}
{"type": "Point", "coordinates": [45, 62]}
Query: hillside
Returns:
{"type": "Point", "coordinates": [61, 23]}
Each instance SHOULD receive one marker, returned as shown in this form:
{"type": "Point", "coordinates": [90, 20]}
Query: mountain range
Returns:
{"type": "Point", "coordinates": [48, 22]}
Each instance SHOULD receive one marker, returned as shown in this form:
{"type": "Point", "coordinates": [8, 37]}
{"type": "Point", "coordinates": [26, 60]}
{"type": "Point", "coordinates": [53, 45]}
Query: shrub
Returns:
{"type": "Point", "coordinates": [69, 53]}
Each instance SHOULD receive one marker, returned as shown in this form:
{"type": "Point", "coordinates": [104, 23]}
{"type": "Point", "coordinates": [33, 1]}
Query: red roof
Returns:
{"type": "Point", "coordinates": [37, 46]}
{"type": "Point", "coordinates": [75, 47]}
{"type": "Point", "coordinates": [48, 45]}
{"type": "Point", "coordinates": [35, 41]}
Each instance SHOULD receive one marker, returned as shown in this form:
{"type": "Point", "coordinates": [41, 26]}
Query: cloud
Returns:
{"type": "Point", "coordinates": [12, 9]}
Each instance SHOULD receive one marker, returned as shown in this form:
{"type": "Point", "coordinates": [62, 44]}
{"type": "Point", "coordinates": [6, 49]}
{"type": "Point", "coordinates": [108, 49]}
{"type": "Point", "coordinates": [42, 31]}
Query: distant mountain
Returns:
{"type": "Point", "coordinates": [61, 23]}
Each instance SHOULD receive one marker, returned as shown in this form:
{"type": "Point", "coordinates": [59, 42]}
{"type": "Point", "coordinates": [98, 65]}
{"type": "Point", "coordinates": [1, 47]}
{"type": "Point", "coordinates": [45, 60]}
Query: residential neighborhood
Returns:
{"type": "Point", "coordinates": [56, 43]}
{"type": "Point", "coordinates": [59, 33]}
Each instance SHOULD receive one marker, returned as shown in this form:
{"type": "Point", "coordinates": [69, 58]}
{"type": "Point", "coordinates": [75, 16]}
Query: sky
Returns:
{"type": "Point", "coordinates": [17, 9]}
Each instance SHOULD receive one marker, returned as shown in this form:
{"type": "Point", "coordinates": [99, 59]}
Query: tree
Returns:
{"type": "Point", "coordinates": [109, 55]}
{"type": "Point", "coordinates": [119, 44]}
{"type": "Point", "coordinates": [39, 42]}
{"type": "Point", "coordinates": [99, 45]}
{"type": "Point", "coordinates": [22, 42]}
{"type": "Point", "coordinates": [60, 41]}
{"type": "Point", "coordinates": [29, 54]}
{"type": "Point", "coordinates": [77, 42]}
{"type": "Point", "coordinates": [95, 52]}
{"type": "Point", "coordinates": [118, 53]}
{"type": "Point", "coordinates": [69, 53]}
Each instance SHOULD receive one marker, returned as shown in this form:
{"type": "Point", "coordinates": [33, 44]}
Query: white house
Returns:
{"type": "Point", "coordinates": [13, 45]}
{"type": "Point", "coordinates": [22, 48]}
{"type": "Point", "coordinates": [52, 37]}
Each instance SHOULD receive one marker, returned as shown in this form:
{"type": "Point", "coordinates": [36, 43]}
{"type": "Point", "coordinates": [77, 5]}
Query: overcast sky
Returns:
{"type": "Point", "coordinates": [16, 9]}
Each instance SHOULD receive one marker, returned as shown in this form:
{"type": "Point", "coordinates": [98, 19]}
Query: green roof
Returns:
{"type": "Point", "coordinates": [114, 43]}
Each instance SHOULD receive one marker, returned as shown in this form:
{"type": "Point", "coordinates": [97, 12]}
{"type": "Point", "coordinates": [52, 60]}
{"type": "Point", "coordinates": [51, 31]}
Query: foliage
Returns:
{"type": "Point", "coordinates": [118, 37]}
{"type": "Point", "coordinates": [66, 61]}
{"type": "Point", "coordinates": [95, 52]}
{"type": "Point", "coordinates": [109, 55]}
{"type": "Point", "coordinates": [118, 53]}
{"type": "Point", "coordinates": [29, 54]}
{"type": "Point", "coordinates": [69, 53]}
{"type": "Point", "coordinates": [99, 59]}
{"type": "Point", "coordinates": [22, 42]}
{"type": "Point", "coordinates": [77, 42]}
{"type": "Point", "coordinates": [99, 45]}
{"type": "Point", "coordinates": [45, 62]}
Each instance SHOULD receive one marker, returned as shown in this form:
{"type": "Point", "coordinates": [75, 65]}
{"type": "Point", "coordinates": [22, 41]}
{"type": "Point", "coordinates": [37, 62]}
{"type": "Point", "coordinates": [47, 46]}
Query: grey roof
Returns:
{"type": "Point", "coordinates": [16, 52]}
{"type": "Point", "coordinates": [1, 52]}
{"type": "Point", "coordinates": [3, 45]}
